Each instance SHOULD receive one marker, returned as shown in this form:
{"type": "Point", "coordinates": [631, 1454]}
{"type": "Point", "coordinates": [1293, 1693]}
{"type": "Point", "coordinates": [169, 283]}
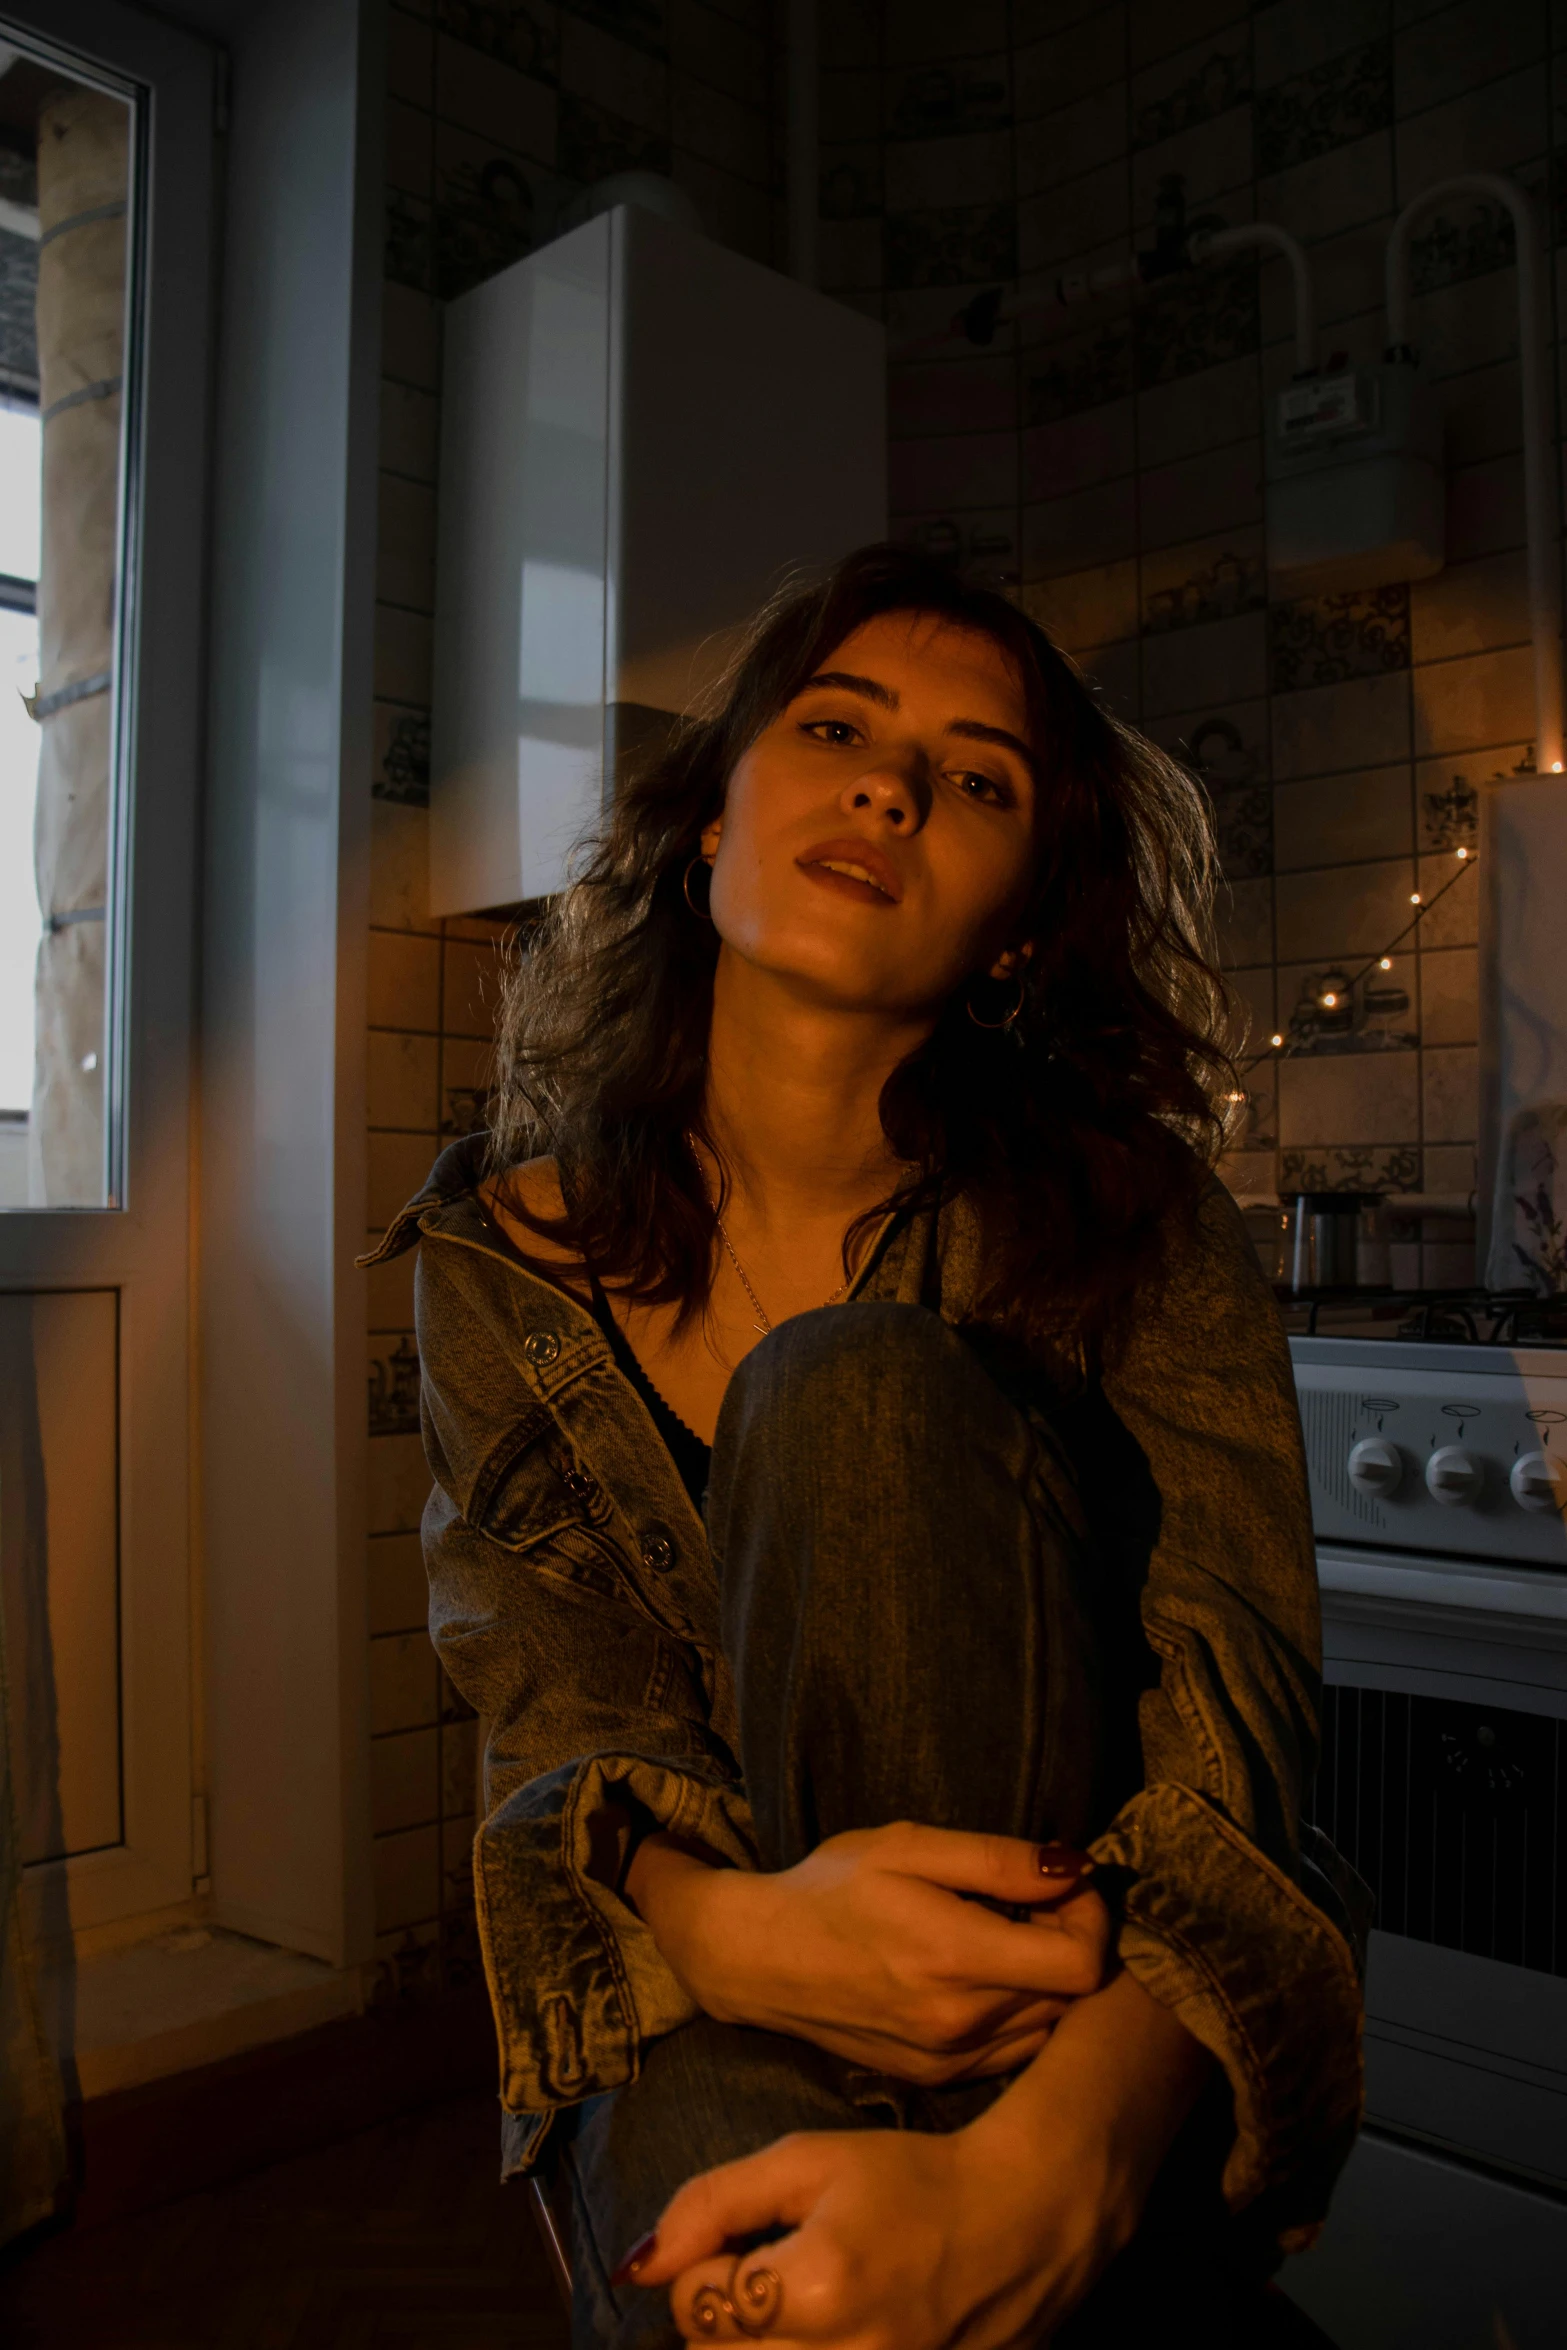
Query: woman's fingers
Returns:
{"type": "Point", "coordinates": [1037, 1955]}
{"type": "Point", "coordinates": [738, 2299]}
{"type": "Point", "coordinates": [775, 2188]}
{"type": "Point", "coordinates": [1005, 1868]}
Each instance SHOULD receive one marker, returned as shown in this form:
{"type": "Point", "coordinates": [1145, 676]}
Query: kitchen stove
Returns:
{"type": "Point", "coordinates": [1435, 1426]}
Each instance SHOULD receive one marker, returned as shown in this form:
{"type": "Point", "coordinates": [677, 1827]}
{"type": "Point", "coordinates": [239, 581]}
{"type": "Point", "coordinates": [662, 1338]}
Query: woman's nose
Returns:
{"type": "Point", "coordinates": [897, 799]}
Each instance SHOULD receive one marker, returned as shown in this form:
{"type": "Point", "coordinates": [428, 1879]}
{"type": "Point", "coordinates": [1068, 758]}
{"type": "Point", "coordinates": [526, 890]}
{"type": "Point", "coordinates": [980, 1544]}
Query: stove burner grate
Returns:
{"type": "Point", "coordinates": [1462, 1317]}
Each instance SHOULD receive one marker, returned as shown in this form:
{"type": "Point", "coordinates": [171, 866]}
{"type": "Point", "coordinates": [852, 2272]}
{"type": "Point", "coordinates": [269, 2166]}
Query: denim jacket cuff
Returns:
{"type": "Point", "coordinates": [548, 1864]}
{"type": "Point", "coordinates": [1216, 1932]}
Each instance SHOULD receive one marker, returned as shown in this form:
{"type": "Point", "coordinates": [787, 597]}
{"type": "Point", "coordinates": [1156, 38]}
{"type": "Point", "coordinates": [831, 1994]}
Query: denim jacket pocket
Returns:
{"type": "Point", "coordinates": [531, 1487]}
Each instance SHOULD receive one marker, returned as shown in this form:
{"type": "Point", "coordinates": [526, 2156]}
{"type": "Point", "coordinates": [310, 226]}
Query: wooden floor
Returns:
{"type": "Point", "coordinates": [399, 2239]}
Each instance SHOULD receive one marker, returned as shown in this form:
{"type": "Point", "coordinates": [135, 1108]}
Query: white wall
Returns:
{"type": "Point", "coordinates": [283, 1017]}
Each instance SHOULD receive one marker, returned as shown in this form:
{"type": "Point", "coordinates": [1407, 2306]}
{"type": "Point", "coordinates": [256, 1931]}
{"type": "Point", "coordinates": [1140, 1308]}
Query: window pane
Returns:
{"type": "Point", "coordinates": [65, 179]}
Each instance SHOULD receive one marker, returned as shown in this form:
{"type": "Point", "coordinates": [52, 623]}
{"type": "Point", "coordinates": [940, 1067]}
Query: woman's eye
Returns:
{"type": "Point", "coordinates": [981, 787]}
{"type": "Point", "coordinates": [837, 731]}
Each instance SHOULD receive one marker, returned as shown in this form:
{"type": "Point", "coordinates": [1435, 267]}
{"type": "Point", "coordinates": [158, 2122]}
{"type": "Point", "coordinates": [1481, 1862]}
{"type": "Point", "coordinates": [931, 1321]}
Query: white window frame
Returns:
{"type": "Point", "coordinates": [142, 1245]}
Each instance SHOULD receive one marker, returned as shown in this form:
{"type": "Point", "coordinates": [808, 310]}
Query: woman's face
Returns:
{"type": "Point", "coordinates": [877, 841]}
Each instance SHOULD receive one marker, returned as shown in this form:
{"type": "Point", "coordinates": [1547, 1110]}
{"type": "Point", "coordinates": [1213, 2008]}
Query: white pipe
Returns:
{"type": "Point", "coordinates": [805, 141]}
{"type": "Point", "coordinates": [1539, 447]}
{"type": "Point", "coordinates": [1207, 244]}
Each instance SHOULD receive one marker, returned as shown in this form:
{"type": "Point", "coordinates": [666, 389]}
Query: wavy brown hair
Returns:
{"type": "Point", "coordinates": [1077, 1132]}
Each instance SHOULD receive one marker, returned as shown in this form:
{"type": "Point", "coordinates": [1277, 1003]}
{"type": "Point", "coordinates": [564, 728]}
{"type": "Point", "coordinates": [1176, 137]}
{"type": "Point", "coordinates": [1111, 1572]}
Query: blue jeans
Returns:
{"type": "Point", "coordinates": [913, 1620]}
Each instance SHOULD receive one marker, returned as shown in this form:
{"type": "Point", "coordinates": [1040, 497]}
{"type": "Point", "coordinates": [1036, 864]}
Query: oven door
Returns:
{"type": "Point", "coordinates": [1444, 1781]}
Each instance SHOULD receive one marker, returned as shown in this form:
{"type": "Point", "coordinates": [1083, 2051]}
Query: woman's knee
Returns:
{"type": "Point", "coordinates": [835, 1380]}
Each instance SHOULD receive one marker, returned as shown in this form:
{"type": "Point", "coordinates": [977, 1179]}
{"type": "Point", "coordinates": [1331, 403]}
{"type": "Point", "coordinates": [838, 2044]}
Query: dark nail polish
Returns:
{"type": "Point", "coordinates": [1062, 1860]}
{"type": "Point", "coordinates": [638, 2257]}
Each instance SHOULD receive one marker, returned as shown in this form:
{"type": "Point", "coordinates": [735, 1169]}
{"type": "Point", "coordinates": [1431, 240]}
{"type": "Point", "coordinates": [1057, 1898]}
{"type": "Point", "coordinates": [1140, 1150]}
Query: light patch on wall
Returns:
{"type": "Point", "coordinates": [562, 633]}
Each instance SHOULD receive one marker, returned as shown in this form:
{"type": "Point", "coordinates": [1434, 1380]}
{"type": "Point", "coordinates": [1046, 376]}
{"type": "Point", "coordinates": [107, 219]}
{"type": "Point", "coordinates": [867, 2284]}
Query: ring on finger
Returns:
{"type": "Point", "coordinates": [752, 2303]}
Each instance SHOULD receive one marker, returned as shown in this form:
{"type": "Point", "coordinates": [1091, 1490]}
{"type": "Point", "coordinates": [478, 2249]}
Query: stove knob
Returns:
{"type": "Point", "coordinates": [1539, 1482]}
{"type": "Point", "coordinates": [1453, 1475]}
{"type": "Point", "coordinates": [1376, 1467]}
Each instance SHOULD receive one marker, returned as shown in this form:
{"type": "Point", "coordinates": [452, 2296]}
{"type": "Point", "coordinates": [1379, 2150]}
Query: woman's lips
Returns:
{"type": "Point", "coordinates": [855, 868]}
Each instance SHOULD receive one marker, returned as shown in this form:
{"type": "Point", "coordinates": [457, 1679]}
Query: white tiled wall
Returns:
{"type": "Point", "coordinates": [497, 112]}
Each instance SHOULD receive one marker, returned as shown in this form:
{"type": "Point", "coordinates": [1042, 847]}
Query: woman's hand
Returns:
{"type": "Point", "coordinates": [984, 2240]}
{"type": "Point", "coordinates": [868, 1947]}
{"type": "Point", "coordinates": [900, 2241]}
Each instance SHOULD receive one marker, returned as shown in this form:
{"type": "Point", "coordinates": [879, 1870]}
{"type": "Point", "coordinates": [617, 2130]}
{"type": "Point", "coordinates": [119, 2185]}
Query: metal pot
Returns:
{"type": "Point", "coordinates": [1336, 1241]}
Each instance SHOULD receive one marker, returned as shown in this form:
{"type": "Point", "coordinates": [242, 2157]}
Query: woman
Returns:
{"type": "Point", "coordinates": [867, 1472]}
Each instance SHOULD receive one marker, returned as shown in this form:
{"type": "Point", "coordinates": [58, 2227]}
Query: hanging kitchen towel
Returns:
{"type": "Point", "coordinates": [33, 2163]}
{"type": "Point", "coordinates": [1529, 1217]}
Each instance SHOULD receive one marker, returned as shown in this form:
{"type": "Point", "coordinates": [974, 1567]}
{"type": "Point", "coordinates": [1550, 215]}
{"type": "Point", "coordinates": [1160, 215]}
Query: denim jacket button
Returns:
{"type": "Point", "coordinates": [658, 1554]}
{"type": "Point", "coordinates": [541, 1349]}
{"type": "Point", "coordinates": [580, 1485]}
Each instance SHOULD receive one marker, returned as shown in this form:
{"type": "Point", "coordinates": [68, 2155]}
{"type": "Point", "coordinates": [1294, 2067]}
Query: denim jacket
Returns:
{"type": "Point", "coordinates": [574, 1603]}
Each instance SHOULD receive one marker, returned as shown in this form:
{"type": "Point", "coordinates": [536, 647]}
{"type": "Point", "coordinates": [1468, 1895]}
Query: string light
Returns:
{"type": "Point", "coordinates": [1467, 857]}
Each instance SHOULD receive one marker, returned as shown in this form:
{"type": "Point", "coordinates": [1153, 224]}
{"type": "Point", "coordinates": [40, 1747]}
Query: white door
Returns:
{"type": "Point", "coordinates": [106, 163]}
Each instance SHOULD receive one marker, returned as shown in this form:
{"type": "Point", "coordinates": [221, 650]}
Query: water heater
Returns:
{"type": "Point", "coordinates": [642, 435]}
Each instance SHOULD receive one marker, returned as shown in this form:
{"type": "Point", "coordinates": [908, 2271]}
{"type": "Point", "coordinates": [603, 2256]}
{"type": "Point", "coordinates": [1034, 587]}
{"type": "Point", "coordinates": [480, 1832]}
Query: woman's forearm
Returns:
{"type": "Point", "coordinates": [1119, 2075]}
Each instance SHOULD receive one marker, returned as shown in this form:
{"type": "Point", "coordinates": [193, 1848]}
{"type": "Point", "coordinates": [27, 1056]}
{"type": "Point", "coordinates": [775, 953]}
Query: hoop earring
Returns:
{"type": "Point", "coordinates": [702, 913]}
{"type": "Point", "coordinates": [1012, 1016]}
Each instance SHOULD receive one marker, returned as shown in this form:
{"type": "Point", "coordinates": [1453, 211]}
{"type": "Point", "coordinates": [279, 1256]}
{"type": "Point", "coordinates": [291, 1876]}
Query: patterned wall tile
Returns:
{"type": "Point", "coordinates": [1213, 164]}
{"type": "Point", "coordinates": [1201, 321]}
{"type": "Point", "coordinates": [1081, 371]}
{"type": "Point", "coordinates": [1322, 1168]}
{"type": "Point", "coordinates": [1191, 88]}
{"type": "Point", "coordinates": [934, 101]}
{"type": "Point", "coordinates": [957, 245]}
{"type": "Point", "coordinates": [394, 1387]}
{"type": "Point", "coordinates": [1322, 640]}
{"type": "Point", "coordinates": [525, 36]}
{"type": "Point", "coordinates": [401, 772]}
{"type": "Point", "coordinates": [490, 210]}
{"type": "Point", "coordinates": [1211, 579]}
{"type": "Point", "coordinates": [593, 143]}
{"type": "Point", "coordinates": [1450, 814]}
{"type": "Point", "coordinates": [1463, 238]}
{"type": "Point", "coordinates": [982, 546]}
{"type": "Point", "coordinates": [1327, 107]}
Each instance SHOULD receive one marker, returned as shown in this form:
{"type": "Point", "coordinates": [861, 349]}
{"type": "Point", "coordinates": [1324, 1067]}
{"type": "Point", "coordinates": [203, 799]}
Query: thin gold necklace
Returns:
{"type": "Point", "coordinates": [762, 1325]}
